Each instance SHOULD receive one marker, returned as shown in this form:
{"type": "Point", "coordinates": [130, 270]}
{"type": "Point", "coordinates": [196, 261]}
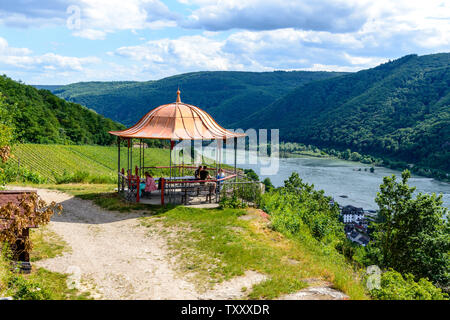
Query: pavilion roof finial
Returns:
{"type": "Point", "coordinates": [178, 95]}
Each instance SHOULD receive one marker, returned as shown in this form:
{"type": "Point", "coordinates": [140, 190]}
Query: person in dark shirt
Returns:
{"type": "Point", "coordinates": [204, 173]}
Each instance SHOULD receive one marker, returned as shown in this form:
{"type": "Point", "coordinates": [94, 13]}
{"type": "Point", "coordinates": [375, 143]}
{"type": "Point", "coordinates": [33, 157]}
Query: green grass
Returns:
{"type": "Point", "coordinates": [41, 284]}
{"type": "Point", "coordinates": [216, 245]}
{"type": "Point", "coordinates": [75, 189]}
{"type": "Point", "coordinates": [99, 161]}
{"type": "Point", "coordinates": [46, 244]}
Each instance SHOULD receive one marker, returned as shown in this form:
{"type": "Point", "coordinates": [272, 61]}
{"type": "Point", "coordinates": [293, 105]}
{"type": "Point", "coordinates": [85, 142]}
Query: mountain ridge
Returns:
{"type": "Point", "coordinates": [400, 109]}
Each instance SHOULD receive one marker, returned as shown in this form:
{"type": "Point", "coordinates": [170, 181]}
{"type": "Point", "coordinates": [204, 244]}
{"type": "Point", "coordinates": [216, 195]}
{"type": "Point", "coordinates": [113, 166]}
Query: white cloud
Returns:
{"type": "Point", "coordinates": [183, 54]}
{"type": "Point", "coordinates": [319, 15]}
{"type": "Point", "coordinates": [91, 19]}
{"type": "Point", "coordinates": [286, 49]}
{"type": "Point", "coordinates": [22, 58]}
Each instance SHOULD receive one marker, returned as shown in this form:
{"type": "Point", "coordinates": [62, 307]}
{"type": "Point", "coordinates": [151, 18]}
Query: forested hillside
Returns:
{"type": "Point", "coordinates": [399, 110]}
{"type": "Point", "coordinates": [228, 96]}
{"type": "Point", "coordinates": [38, 116]}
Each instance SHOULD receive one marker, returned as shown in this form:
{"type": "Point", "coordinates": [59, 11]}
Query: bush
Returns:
{"type": "Point", "coordinates": [240, 195]}
{"type": "Point", "coordinates": [82, 177]}
{"type": "Point", "coordinates": [394, 286]}
{"type": "Point", "coordinates": [298, 208]}
{"type": "Point", "coordinates": [9, 172]}
{"type": "Point", "coordinates": [24, 289]}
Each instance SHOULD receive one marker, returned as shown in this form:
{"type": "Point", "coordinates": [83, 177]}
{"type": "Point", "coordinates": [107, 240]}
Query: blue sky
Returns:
{"type": "Point", "coordinates": [66, 41]}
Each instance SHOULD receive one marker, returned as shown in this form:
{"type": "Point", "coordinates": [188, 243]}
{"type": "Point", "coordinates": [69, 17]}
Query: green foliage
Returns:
{"type": "Point", "coordinates": [6, 125]}
{"type": "Point", "coordinates": [41, 284]}
{"type": "Point", "coordinates": [27, 290]}
{"type": "Point", "coordinates": [268, 184]}
{"type": "Point", "coordinates": [413, 235]}
{"type": "Point", "coordinates": [240, 195]}
{"type": "Point", "coordinates": [398, 111]}
{"type": "Point", "coordinates": [227, 96]}
{"type": "Point", "coordinates": [41, 117]}
{"type": "Point", "coordinates": [297, 208]}
{"type": "Point", "coordinates": [394, 286]}
{"type": "Point", "coordinates": [232, 201]}
{"type": "Point", "coordinates": [251, 174]}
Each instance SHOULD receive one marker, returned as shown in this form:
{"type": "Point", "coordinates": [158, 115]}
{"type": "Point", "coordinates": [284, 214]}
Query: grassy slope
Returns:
{"type": "Point", "coordinates": [217, 245]}
{"type": "Point", "coordinates": [97, 160]}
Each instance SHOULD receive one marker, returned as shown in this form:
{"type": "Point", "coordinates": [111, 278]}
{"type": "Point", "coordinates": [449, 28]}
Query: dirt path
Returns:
{"type": "Point", "coordinates": [113, 252]}
{"type": "Point", "coordinates": [114, 257]}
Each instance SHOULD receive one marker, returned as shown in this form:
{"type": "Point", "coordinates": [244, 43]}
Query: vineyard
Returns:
{"type": "Point", "coordinates": [51, 160]}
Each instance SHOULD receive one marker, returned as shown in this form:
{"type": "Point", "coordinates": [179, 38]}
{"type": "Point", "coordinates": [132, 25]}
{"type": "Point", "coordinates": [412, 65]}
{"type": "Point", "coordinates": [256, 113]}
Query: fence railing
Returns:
{"type": "Point", "coordinates": [241, 192]}
{"type": "Point", "coordinates": [129, 185]}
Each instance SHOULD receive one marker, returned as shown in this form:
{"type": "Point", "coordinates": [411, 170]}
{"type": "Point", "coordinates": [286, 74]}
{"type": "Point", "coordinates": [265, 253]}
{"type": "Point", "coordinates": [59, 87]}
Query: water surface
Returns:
{"type": "Point", "coordinates": [342, 178]}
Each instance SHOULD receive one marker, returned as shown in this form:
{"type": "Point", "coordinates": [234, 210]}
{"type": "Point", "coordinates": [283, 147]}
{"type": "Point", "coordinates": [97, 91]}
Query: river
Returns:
{"type": "Point", "coordinates": [341, 178]}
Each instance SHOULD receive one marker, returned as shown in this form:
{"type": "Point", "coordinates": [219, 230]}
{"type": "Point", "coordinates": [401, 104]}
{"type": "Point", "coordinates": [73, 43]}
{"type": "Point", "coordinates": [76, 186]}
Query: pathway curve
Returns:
{"type": "Point", "coordinates": [117, 258]}
{"type": "Point", "coordinates": [113, 252]}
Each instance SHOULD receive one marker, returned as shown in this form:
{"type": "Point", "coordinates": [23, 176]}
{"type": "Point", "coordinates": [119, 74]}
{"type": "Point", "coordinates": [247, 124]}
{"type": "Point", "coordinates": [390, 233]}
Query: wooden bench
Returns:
{"type": "Point", "coordinates": [191, 191]}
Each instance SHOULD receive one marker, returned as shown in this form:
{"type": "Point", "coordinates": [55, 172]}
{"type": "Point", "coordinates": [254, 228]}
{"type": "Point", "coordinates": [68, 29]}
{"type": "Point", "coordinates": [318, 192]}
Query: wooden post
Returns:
{"type": "Point", "coordinates": [235, 157]}
{"type": "Point", "coordinates": [123, 180]}
{"type": "Point", "coordinates": [118, 164]}
{"type": "Point", "coordinates": [162, 191]}
{"type": "Point", "coordinates": [138, 188]}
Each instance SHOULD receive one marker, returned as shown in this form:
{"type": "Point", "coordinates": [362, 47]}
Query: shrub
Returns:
{"type": "Point", "coordinates": [24, 289]}
{"type": "Point", "coordinates": [82, 177]}
{"type": "Point", "coordinates": [394, 286]}
{"type": "Point", "coordinates": [297, 208]}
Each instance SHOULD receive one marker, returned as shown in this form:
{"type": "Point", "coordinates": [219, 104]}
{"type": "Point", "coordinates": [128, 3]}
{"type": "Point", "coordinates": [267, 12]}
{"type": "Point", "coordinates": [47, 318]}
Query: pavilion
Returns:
{"type": "Point", "coordinates": [174, 122]}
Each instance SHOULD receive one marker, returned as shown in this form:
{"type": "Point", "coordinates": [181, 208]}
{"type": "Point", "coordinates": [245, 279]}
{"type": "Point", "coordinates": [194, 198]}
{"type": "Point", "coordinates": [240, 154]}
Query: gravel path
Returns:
{"type": "Point", "coordinates": [113, 253]}
{"type": "Point", "coordinates": [113, 257]}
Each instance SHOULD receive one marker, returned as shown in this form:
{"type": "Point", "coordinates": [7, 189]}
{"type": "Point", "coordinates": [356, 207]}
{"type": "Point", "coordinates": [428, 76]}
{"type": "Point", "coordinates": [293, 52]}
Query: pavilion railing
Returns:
{"type": "Point", "coordinates": [241, 192]}
{"type": "Point", "coordinates": [171, 188]}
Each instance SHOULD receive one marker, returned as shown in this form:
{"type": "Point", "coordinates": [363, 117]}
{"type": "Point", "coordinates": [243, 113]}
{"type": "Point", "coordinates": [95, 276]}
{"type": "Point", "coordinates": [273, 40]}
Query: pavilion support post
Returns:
{"type": "Point", "coordinates": [235, 157]}
{"type": "Point", "coordinates": [128, 155]}
{"type": "Point", "coordinates": [140, 157]}
{"type": "Point", "coordinates": [172, 144]}
{"type": "Point", "coordinates": [118, 164]}
{"type": "Point", "coordinates": [143, 156]}
{"type": "Point", "coordinates": [131, 155]}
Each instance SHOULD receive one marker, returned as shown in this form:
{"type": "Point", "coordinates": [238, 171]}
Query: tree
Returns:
{"type": "Point", "coordinates": [251, 174]}
{"type": "Point", "coordinates": [268, 184]}
{"type": "Point", "coordinates": [413, 234]}
{"type": "Point", "coordinates": [6, 136]}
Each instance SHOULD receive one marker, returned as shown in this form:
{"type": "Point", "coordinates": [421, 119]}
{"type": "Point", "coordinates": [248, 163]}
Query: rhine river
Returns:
{"type": "Point", "coordinates": [341, 178]}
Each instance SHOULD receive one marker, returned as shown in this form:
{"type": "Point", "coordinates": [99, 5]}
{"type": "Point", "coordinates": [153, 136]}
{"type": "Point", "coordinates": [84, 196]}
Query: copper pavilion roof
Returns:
{"type": "Point", "coordinates": [177, 121]}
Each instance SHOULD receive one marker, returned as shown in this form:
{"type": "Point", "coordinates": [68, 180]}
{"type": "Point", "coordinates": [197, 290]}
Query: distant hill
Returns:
{"type": "Point", "coordinates": [400, 110]}
{"type": "Point", "coordinates": [46, 87]}
{"type": "Point", "coordinates": [41, 117]}
{"type": "Point", "coordinates": [227, 95]}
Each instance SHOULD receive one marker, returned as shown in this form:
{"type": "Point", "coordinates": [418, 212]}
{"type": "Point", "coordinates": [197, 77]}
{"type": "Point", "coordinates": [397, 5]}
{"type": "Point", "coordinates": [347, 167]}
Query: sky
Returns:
{"type": "Point", "coordinates": [67, 41]}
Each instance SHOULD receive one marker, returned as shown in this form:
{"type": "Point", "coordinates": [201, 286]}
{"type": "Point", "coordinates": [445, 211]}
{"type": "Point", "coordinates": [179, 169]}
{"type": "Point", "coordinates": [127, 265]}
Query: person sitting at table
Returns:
{"type": "Point", "coordinates": [150, 184]}
{"type": "Point", "coordinates": [204, 173]}
{"type": "Point", "coordinates": [220, 175]}
{"type": "Point", "coordinates": [197, 172]}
